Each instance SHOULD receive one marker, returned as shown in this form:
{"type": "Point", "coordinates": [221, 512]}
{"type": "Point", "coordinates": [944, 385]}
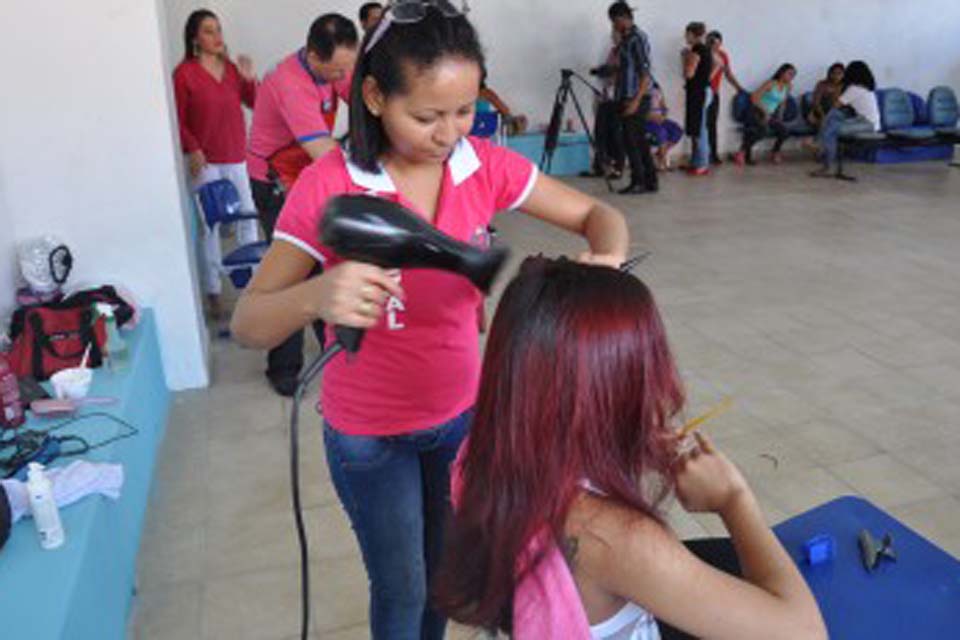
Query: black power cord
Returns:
{"type": "Point", "coordinates": [311, 372]}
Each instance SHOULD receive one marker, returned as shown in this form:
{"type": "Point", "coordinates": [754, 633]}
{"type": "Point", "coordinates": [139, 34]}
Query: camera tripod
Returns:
{"type": "Point", "coordinates": [565, 92]}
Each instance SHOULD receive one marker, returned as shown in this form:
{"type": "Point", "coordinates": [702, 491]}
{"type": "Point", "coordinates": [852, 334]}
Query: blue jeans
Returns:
{"type": "Point", "coordinates": [700, 157]}
{"type": "Point", "coordinates": [837, 123]}
{"type": "Point", "coordinates": [396, 492]}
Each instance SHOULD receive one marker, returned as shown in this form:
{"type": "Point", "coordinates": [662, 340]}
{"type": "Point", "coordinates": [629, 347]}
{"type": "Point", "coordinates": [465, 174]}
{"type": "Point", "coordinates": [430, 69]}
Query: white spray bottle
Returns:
{"type": "Point", "coordinates": [116, 347]}
{"type": "Point", "coordinates": [46, 515]}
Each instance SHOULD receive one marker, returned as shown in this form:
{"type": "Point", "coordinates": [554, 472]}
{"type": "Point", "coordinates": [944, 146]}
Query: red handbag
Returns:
{"type": "Point", "coordinates": [54, 339]}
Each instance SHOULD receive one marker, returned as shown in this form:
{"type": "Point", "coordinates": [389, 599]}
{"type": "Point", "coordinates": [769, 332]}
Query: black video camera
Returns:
{"type": "Point", "coordinates": [604, 71]}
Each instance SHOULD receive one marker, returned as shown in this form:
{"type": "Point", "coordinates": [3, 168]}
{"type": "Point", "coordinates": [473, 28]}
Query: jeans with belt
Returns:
{"type": "Point", "coordinates": [396, 492]}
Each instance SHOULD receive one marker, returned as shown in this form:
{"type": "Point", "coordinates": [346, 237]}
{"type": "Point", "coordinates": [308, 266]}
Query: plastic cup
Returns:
{"type": "Point", "coordinates": [72, 384]}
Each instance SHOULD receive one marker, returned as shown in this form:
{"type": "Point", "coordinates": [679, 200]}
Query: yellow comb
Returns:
{"type": "Point", "coordinates": [697, 422]}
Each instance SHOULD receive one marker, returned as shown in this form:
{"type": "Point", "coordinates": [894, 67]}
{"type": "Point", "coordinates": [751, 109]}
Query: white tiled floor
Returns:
{"type": "Point", "coordinates": [829, 311]}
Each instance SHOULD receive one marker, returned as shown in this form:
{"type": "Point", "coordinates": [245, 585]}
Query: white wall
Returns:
{"type": "Point", "coordinates": [87, 150]}
{"type": "Point", "coordinates": [910, 44]}
{"type": "Point", "coordinates": [8, 269]}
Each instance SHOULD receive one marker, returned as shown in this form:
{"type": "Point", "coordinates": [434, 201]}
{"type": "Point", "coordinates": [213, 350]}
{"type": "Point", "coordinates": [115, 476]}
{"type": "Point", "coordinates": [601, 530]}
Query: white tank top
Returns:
{"type": "Point", "coordinates": [630, 623]}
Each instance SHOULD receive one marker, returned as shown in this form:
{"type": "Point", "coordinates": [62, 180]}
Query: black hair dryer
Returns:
{"type": "Point", "coordinates": [383, 233]}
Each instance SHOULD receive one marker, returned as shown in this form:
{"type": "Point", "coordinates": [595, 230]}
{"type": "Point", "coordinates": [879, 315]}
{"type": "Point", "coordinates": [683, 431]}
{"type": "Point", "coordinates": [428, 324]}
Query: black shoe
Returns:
{"type": "Point", "coordinates": [715, 160]}
{"type": "Point", "coordinates": [632, 189]}
{"type": "Point", "coordinates": [284, 385]}
{"type": "Point", "coordinates": [652, 187]}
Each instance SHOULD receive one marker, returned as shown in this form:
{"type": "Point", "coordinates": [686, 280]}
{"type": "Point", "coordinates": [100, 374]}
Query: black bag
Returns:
{"type": "Point", "coordinates": [51, 337]}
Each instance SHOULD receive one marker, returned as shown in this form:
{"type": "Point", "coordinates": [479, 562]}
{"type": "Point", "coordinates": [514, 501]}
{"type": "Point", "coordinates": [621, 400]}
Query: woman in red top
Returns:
{"type": "Point", "coordinates": [210, 91]}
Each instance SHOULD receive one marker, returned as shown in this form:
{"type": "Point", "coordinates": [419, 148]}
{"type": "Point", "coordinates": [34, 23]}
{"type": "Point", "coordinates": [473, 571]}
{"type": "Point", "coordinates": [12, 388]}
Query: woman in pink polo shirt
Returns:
{"type": "Point", "coordinates": [396, 413]}
{"type": "Point", "coordinates": [210, 92]}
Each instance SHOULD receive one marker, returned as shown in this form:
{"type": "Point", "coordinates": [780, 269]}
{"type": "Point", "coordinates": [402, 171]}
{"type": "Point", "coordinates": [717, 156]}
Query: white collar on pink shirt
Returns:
{"type": "Point", "coordinates": [463, 163]}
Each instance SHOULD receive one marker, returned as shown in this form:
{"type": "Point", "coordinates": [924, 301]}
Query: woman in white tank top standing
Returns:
{"type": "Point", "coordinates": [558, 529]}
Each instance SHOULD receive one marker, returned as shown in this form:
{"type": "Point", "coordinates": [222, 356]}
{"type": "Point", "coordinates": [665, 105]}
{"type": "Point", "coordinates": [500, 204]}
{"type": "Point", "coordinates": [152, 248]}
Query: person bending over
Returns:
{"type": "Point", "coordinates": [558, 528]}
{"type": "Point", "coordinates": [293, 124]}
{"type": "Point", "coordinates": [396, 413]}
{"type": "Point", "coordinates": [765, 115]}
{"type": "Point", "coordinates": [857, 110]}
{"type": "Point", "coordinates": [609, 157]}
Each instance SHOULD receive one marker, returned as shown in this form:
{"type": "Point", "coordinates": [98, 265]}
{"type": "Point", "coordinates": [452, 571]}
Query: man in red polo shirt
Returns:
{"type": "Point", "coordinates": [293, 124]}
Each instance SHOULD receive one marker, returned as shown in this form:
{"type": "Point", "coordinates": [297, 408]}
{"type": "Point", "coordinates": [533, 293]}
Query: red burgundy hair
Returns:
{"type": "Point", "coordinates": [578, 384]}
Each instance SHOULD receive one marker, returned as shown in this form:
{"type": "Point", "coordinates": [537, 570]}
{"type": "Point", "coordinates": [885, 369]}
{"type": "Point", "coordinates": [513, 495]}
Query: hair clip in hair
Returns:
{"type": "Point", "coordinates": [633, 262]}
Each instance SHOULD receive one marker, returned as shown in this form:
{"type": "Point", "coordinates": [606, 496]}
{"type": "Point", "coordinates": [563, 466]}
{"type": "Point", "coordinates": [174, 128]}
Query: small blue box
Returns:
{"type": "Point", "coordinates": [819, 550]}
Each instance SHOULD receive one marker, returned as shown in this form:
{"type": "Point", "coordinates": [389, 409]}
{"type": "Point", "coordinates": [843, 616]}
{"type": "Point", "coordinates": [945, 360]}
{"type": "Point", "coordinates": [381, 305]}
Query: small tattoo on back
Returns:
{"type": "Point", "coordinates": [570, 547]}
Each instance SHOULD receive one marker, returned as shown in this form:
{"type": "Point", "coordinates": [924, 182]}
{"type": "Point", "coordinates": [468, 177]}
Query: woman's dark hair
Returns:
{"type": "Point", "coordinates": [367, 8]}
{"type": "Point", "coordinates": [783, 70]}
{"type": "Point", "coordinates": [401, 49]}
{"type": "Point", "coordinates": [578, 358]}
{"type": "Point", "coordinates": [328, 32]}
{"type": "Point", "coordinates": [858, 73]}
{"type": "Point", "coordinates": [697, 29]}
{"type": "Point", "coordinates": [192, 28]}
{"type": "Point", "coordinates": [620, 10]}
{"type": "Point", "coordinates": [714, 36]}
{"type": "Point", "coordinates": [834, 67]}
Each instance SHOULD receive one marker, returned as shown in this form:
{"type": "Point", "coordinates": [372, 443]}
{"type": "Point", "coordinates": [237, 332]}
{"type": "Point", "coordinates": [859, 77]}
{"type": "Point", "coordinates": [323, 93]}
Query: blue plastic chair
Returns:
{"type": "Point", "coordinates": [919, 109]}
{"type": "Point", "coordinates": [741, 102]}
{"type": "Point", "coordinates": [220, 204]}
{"type": "Point", "coordinates": [795, 119]}
{"type": "Point", "coordinates": [898, 116]}
{"type": "Point", "coordinates": [943, 111]}
{"type": "Point", "coordinates": [486, 125]}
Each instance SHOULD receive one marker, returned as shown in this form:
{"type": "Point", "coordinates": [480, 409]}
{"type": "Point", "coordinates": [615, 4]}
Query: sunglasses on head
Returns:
{"type": "Point", "coordinates": [410, 12]}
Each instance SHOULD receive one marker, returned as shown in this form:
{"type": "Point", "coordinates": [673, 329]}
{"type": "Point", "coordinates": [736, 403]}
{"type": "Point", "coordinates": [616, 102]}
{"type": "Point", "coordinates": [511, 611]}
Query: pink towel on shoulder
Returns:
{"type": "Point", "coordinates": [546, 603]}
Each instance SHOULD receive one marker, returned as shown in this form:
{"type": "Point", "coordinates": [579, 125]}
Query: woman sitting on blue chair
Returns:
{"type": "Point", "coordinates": [765, 115]}
{"type": "Point", "coordinates": [857, 110]}
{"type": "Point", "coordinates": [826, 94]}
{"type": "Point", "coordinates": [666, 132]}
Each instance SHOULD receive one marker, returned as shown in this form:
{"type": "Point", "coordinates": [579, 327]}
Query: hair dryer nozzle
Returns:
{"type": "Point", "coordinates": [377, 231]}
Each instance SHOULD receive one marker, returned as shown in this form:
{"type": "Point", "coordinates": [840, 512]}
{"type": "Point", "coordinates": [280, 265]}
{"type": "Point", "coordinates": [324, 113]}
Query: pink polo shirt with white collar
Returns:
{"type": "Point", "coordinates": [420, 366]}
{"type": "Point", "coordinates": [293, 106]}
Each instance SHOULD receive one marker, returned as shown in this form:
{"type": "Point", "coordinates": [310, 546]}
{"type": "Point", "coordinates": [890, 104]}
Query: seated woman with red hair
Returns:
{"type": "Point", "coordinates": [558, 529]}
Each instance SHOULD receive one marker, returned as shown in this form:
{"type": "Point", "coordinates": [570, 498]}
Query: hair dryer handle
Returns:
{"type": "Point", "coordinates": [349, 338]}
